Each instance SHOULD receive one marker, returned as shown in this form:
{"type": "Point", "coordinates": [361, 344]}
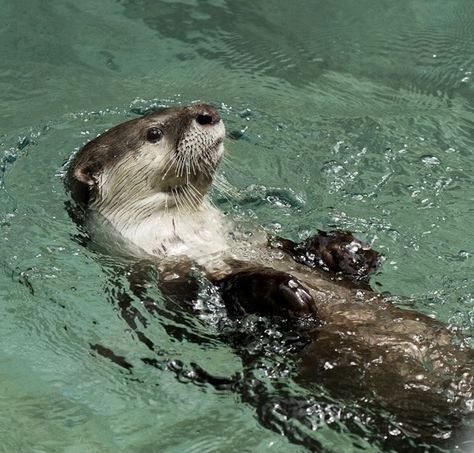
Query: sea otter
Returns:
{"type": "Point", "coordinates": [142, 189]}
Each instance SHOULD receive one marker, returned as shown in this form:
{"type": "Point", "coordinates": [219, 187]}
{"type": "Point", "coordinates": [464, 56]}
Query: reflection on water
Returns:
{"type": "Point", "coordinates": [341, 115]}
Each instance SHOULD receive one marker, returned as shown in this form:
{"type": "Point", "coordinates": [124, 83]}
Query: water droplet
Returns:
{"type": "Point", "coordinates": [237, 134]}
{"type": "Point", "coordinates": [394, 432]}
{"type": "Point", "coordinates": [463, 254]}
{"type": "Point", "coordinates": [275, 227]}
{"type": "Point", "coordinates": [23, 142]}
{"type": "Point", "coordinates": [246, 114]}
{"type": "Point", "coordinates": [338, 145]}
{"type": "Point", "coordinates": [430, 161]}
{"type": "Point", "coordinates": [332, 168]}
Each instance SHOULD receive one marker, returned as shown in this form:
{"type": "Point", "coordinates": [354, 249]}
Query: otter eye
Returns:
{"type": "Point", "coordinates": [154, 134]}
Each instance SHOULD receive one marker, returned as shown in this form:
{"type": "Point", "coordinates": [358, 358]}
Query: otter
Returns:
{"type": "Point", "coordinates": [142, 188]}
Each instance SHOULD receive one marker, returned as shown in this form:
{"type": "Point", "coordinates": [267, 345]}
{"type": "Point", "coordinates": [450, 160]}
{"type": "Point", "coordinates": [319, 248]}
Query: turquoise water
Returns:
{"type": "Point", "coordinates": [351, 115]}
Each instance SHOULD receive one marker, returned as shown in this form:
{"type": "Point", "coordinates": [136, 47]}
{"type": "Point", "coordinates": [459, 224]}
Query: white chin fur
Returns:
{"type": "Point", "coordinates": [172, 233]}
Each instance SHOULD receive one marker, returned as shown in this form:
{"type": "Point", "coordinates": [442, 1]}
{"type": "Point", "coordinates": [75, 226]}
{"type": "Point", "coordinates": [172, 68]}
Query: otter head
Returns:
{"type": "Point", "coordinates": [162, 161]}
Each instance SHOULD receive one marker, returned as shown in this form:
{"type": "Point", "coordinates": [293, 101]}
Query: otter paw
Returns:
{"type": "Point", "coordinates": [335, 252]}
{"type": "Point", "coordinates": [266, 292]}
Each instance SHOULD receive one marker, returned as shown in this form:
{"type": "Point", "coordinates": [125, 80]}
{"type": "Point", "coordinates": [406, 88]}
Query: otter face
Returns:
{"type": "Point", "coordinates": [163, 160]}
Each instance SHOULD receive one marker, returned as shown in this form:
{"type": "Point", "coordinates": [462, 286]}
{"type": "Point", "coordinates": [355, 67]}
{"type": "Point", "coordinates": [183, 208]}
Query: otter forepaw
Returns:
{"type": "Point", "coordinates": [267, 292]}
{"type": "Point", "coordinates": [335, 252]}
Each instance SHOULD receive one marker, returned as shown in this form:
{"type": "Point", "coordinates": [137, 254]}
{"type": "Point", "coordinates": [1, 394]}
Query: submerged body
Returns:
{"type": "Point", "coordinates": [147, 179]}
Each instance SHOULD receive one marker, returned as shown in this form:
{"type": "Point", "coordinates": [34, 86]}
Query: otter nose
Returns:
{"type": "Point", "coordinates": [205, 115]}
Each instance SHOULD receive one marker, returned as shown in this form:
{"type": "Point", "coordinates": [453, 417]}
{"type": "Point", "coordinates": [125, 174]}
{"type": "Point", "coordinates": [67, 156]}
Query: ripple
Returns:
{"type": "Point", "coordinates": [338, 120]}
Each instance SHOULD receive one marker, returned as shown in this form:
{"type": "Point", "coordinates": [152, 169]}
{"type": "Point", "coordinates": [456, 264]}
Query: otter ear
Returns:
{"type": "Point", "coordinates": [82, 182]}
{"type": "Point", "coordinates": [86, 176]}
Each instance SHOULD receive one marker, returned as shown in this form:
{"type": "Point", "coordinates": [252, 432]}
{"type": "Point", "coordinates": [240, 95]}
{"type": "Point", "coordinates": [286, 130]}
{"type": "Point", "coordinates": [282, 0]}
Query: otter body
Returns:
{"type": "Point", "coordinates": [147, 180]}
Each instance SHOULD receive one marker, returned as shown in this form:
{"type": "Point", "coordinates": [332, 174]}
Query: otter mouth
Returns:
{"type": "Point", "coordinates": [191, 184]}
{"type": "Point", "coordinates": [176, 189]}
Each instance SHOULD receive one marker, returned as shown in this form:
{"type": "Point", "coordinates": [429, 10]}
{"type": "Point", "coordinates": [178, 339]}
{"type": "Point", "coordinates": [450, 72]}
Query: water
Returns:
{"type": "Point", "coordinates": [351, 115]}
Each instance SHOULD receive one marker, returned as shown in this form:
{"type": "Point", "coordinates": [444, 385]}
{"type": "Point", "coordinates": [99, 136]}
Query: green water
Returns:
{"type": "Point", "coordinates": [352, 115]}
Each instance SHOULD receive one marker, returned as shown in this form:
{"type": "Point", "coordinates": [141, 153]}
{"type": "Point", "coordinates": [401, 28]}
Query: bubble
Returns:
{"type": "Point", "coordinates": [430, 161]}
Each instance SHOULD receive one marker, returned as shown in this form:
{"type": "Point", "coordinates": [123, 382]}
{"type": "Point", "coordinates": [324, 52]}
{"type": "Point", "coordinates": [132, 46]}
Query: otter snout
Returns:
{"type": "Point", "coordinates": [204, 114]}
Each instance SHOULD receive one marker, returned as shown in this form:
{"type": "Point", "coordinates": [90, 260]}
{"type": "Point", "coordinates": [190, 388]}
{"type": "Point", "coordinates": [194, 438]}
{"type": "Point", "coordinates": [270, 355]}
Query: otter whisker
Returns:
{"type": "Point", "coordinates": [171, 162]}
{"type": "Point", "coordinates": [178, 165]}
{"type": "Point", "coordinates": [186, 199]}
{"type": "Point", "coordinates": [225, 188]}
{"type": "Point", "coordinates": [188, 166]}
{"type": "Point", "coordinates": [228, 159]}
{"type": "Point", "coordinates": [195, 195]}
{"type": "Point", "coordinates": [174, 199]}
{"type": "Point", "coordinates": [181, 165]}
{"type": "Point", "coordinates": [194, 161]}
{"type": "Point", "coordinates": [196, 191]}
{"type": "Point", "coordinates": [201, 196]}
{"type": "Point", "coordinates": [193, 202]}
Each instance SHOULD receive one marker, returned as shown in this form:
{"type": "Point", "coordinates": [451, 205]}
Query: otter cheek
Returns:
{"type": "Point", "coordinates": [156, 165]}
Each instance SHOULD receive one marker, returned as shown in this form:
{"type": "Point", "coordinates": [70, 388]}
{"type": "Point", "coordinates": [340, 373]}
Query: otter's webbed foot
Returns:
{"type": "Point", "coordinates": [267, 292]}
{"type": "Point", "coordinates": [335, 252]}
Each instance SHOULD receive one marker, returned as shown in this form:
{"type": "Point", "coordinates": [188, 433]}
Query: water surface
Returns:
{"type": "Point", "coordinates": [349, 115]}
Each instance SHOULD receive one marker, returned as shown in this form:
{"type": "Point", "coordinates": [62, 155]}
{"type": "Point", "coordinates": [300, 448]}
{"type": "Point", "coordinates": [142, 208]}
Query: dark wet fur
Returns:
{"type": "Point", "coordinates": [265, 291]}
{"type": "Point", "coordinates": [309, 348]}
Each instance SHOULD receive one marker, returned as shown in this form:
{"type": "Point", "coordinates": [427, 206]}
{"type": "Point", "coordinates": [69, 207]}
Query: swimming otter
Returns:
{"type": "Point", "coordinates": [146, 180]}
